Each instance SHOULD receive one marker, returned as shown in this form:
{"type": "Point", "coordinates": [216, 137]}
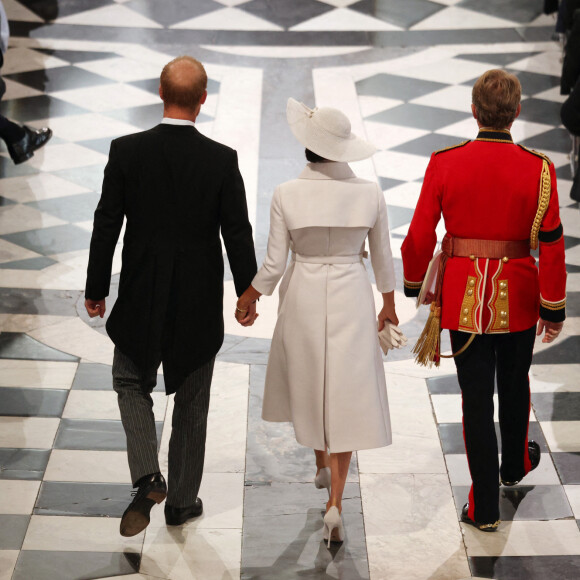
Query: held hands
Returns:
{"type": "Point", "coordinates": [246, 307]}
{"type": "Point", "coordinates": [552, 329]}
{"type": "Point", "coordinates": [95, 307]}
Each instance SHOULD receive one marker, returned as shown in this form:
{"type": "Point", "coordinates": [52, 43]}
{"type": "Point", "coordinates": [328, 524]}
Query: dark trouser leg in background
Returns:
{"type": "Point", "coordinates": [10, 132]}
{"type": "Point", "coordinates": [514, 358]}
{"type": "Point", "coordinates": [133, 390]}
{"type": "Point", "coordinates": [476, 373]}
{"type": "Point", "coordinates": [187, 443]}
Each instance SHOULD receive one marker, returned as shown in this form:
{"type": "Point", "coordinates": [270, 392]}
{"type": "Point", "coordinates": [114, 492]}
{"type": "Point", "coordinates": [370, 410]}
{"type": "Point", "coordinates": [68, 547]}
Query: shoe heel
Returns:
{"type": "Point", "coordinates": [332, 521]}
{"type": "Point", "coordinates": [157, 496]}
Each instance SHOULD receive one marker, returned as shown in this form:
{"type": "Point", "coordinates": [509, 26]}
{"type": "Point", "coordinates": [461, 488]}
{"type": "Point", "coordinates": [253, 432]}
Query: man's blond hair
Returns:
{"type": "Point", "coordinates": [179, 86]}
{"type": "Point", "coordinates": [496, 95]}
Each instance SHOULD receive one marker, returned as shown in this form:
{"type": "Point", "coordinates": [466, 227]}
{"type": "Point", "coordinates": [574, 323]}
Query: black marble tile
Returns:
{"type": "Point", "coordinates": [39, 107]}
{"type": "Point", "coordinates": [568, 467]}
{"type": "Point", "coordinates": [59, 79]}
{"type": "Point", "coordinates": [21, 402]}
{"type": "Point", "coordinates": [99, 145]}
{"type": "Point", "coordinates": [516, 10]}
{"type": "Point", "coordinates": [388, 183]}
{"type": "Point", "coordinates": [53, 240]}
{"type": "Point", "coordinates": [276, 11]}
{"type": "Point", "coordinates": [12, 531]}
{"type": "Point", "coordinates": [451, 436]}
{"type": "Point", "coordinates": [427, 144]}
{"type": "Point", "coordinates": [94, 435]}
{"type": "Point", "coordinates": [573, 302]}
{"type": "Point", "coordinates": [564, 172]}
{"type": "Point", "coordinates": [26, 464]}
{"type": "Point", "coordinates": [168, 13]}
{"type": "Point", "coordinates": [500, 59]}
{"type": "Point", "coordinates": [525, 502]}
{"type": "Point", "coordinates": [61, 498]}
{"type": "Point", "coordinates": [559, 406]}
{"type": "Point", "coordinates": [564, 351]}
{"type": "Point", "coordinates": [396, 87]}
{"type": "Point", "coordinates": [51, 565]}
{"type": "Point", "coordinates": [99, 377]}
{"type": "Point", "coordinates": [525, 567]}
{"type": "Point", "coordinates": [250, 350]}
{"type": "Point", "coordinates": [402, 14]}
{"type": "Point", "coordinates": [4, 201]}
{"type": "Point", "coordinates": [418, 116]}
{"type": "Point", "coordinates": [9, 169]}
{"type": "Point", "coordinates": [533, 83]}
{"type": "Point", "coordinates": [90, 176]}
{"type": "Point", "coordinates": [446, 385]}
{"type": "Point", "coordinates": [143, 117]}
{"type": "Point", "coordinates": [541, 111]}
{"type": "Point", "coordinates": [28, 264]}
{"type": "Point", "coordinates": [72, 208]}
{"type": "Point", "coordinates": [399, 216]}
{"type": "Point", "coordinates": [17, 345]}
{"type": "Point", "coordinates": [553, 140]}
{"type": "Point", "coordinates": [32, 301]}
{"type": "Point", "coordinates": [77, 56]}
{"type": "Point", "coordinates": [441, 37]}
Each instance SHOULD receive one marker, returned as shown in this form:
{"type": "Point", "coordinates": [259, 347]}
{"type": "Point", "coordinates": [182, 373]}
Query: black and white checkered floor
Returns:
{"type": "Point", "coordinates": [402, 71]}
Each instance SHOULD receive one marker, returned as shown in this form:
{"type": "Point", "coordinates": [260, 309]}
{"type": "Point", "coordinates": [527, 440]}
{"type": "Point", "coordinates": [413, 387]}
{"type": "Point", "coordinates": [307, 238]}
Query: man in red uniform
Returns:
{"type": "Point", "coordinates": [498, 200]}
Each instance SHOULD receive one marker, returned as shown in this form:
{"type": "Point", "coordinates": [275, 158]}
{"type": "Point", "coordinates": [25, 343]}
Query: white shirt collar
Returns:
{"type": "Point", "coordinates": [170, 121]}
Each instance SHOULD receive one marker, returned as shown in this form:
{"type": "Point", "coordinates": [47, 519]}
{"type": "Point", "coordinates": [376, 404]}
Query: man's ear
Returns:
{"type": "Point", "coordinates": [203, 98]}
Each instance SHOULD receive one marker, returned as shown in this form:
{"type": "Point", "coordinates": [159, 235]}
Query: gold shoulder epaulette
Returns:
{"type": "Point", "coordinates": [537, 153]}
{"type": "Point", "coordinates": [451, 147]}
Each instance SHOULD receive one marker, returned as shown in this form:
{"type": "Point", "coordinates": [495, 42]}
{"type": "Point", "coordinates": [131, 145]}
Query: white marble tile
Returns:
{"type": "Point", "coordinates": [7, 563]}
{"type": "Point", "coordinates": [404, 195]}
{"type": "Point", "coordinates": [39, 187]}
{"type": "Point", "coordinates": [547, 63]}
{"type": "Point", "coordinates": [183, 553]}
{"type": "Point", "coordinates": [21, 218]}
{"type": "Point", "coordinates": [227, 19]}
{"type": "Point", "coordinates": [455, 98]}
{"type": "Point", "coordinates": [78, 534]}
{"type": "Point", "coordinates": [343, 19]}
{"type": "Point", "coordinates": [573, 493]}
{"type": "Point", "coordinates": [466, 129]}
{"type": "Point", "coordinates": [456, 18]}
{"type": "Point", "coordinates": [544, 474]}
{"type": "Point", "coordinates": [386, 136]}
{"type": "Point", "coordinates": [285, 51]}
{"type": "Point", "coordinates": [411, 528]}
{"type": "Point", "coordinates": [28, 432]}
{"type": "Point", "coordinates": [102, 405]}
{"type": "Point", "coordinates": [112, 15]}
{"type": "Point", "coordinates": [65, 156]}
{"type": "Point", "coordinates": [410, 368]}
{"type": "Point", "coordinates": [15, 90]}
{"type": "Point", "coordinates": [18, 60]}
{"type": "Point", "coordinates": [133, 576]}
{"type": "Point", "coordinates": [562, 435]}
{"type": "Point", "coordinates": [123, 70]}
{"type": "Point", "coordinates": [107, 98]}
{"type": "Point", "coordinates": [555, 378]}
{"type": "Point", "coordinates": [403, 166]}
{"type": "Point", "coordinates": [89, 466]}
{"type": "Point", "coordinates": [522, 130]}
{"type": "Point", "coordinates": [36, 374]}
{"type": "Point", "coordinates": [448, 408]}
{"type": "Point", "coordinates": [552, 94]}
{"type": "Point", "coordinates": [369, 105]}
{"type": "Point", "coordinates": [525, 538]}
{"type": "Point", "coordinates": [10, 252]}
{"type": "Point", "coordinates": [339, 3]}
{"type": "Point", "coordinates": [18, 496]}
{"type": "Point", "coordinates": [451, 71]}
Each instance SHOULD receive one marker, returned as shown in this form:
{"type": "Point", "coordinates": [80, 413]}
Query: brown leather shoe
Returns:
{"type": "Point", "coordinates": [152, 490]}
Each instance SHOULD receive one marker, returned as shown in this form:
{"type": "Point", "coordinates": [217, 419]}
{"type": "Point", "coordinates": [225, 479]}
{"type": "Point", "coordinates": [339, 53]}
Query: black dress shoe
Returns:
{"type": "Point", "coordinates": [152, 490]}
{"type": "Point", "coordinates": [483, 527]}
{"type": "Point", "coordinates": [33, 139]}
{"type": "Point", "coordinates": [535, 454]}
{"type": "Point", "coordinates": [177, 516]}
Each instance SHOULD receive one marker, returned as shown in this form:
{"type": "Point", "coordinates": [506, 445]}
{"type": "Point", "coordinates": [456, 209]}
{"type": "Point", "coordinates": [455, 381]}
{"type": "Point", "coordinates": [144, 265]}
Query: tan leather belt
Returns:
{"type": "Point", "coordinates": [492, 249]}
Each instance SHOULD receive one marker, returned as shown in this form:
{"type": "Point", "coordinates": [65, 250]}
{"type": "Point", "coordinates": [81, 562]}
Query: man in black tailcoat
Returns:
{"type": "Point", "coordinates": [177, 189]}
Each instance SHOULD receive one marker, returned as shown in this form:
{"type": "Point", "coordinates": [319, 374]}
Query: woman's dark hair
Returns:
{"type": "Point", "coordinates": [313, 158]}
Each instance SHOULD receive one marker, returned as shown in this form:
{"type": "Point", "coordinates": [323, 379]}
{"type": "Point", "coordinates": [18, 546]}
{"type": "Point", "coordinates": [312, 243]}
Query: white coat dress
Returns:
{"type": "Point", "coordinates": [325, 370]}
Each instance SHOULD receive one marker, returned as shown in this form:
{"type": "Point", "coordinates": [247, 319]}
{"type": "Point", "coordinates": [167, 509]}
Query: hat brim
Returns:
{"type": "Point", "coordinates": [322, 142]}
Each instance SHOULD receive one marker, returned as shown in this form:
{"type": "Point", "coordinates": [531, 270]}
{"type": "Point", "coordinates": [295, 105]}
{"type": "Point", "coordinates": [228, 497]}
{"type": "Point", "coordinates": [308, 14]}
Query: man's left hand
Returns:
{"type": "Point", "coordinates": [248, 317]}
{"type": "Point", "coordinates": [95, 307]}
{"type": "Point", "coordinates": [552, 329]}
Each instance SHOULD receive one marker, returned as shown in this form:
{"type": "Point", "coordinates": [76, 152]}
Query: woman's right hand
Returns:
{"type": "Point", "coordinates": [388, 310]}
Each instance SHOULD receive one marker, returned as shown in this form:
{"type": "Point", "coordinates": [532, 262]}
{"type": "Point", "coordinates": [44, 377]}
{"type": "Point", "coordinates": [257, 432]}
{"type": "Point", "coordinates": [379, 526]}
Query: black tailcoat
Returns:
{"type": "Point", "coordinates": [177, 189]}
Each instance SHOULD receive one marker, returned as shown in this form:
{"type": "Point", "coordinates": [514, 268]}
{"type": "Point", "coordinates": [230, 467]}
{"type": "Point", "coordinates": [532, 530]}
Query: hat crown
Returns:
{"type": "Point", "coordinates": [333, 121]}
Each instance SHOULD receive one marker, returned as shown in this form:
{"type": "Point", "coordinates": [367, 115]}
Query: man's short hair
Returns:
{"type": "Point", "coordinates": [496, 95]}
{"type": "Point", "coordinates": [183, 90]}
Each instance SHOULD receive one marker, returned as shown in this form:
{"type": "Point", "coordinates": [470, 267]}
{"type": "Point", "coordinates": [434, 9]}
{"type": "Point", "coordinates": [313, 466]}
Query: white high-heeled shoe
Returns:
{"type": "Point", "coordinates": [333, 527]}
{"type": "Point", "coordinates": [322, 479]}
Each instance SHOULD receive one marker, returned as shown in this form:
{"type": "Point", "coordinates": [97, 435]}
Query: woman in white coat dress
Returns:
{"type": "Point", "coordinates": [325, 371]}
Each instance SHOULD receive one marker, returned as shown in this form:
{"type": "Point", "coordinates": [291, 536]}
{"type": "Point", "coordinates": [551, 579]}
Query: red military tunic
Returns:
{"type": "Point", "coordinates": [490, 189]}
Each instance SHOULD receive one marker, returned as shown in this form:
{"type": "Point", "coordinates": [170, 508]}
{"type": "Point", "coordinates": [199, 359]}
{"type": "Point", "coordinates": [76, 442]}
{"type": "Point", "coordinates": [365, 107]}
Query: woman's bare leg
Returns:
{"type": "Point", "coordinates": [339, 463]}
{"type": "Point", "coordinates": [322, 459]}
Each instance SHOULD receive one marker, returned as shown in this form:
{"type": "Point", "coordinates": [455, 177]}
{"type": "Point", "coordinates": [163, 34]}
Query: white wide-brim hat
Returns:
{"type": "Point", "coordinates": [326, 132]}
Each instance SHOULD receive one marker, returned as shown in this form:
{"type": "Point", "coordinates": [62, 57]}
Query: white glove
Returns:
{"type": "Point", "coordinates": [391, 337]}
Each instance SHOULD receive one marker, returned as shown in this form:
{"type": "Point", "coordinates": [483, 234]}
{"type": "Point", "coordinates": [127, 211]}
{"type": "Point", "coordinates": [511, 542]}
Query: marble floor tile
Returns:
{"type": "Point", "coordinates": [67, 565]}
{"type": "Point", "coordinates": [573, 494]}
{"type": "Point", "coordinates": [36, 374]}
{"type": "Point", "coordinates": [411, 527]}
{"type": "Point", "coordinates": [19, 218]}
{"type": "Point", "coordinates": [528, 567]}
{"type": "Point", "coordinates": [78, 534]}
{"type": "Point", "coordinates": [19, 402]}
{"type": "Point", "coordinates": [448, 408]}
{"type": "Point", "coordinates": [182, 553]}
{"type": "Point", "coordinates": [28, 432]}
{"type": "Point", "coordinates": [91, 376]}
{"type": "Point", "coordinates": [554, 378]}
{"type": "Point", "coordinates": [17, 496]}
{"type": "Point", "coordinates": [12, 531]}
{"type": "Point", "coordinates": [568, 466]}
{"type": "Point", "coordinates": [88, 466]}
{"type": "Point", "coordinates": [556, 538]}
{"type": "Point", "coordinates": [36, 187]}
{"type": "Point", "coordinates": [544, 474]}
{"type": "Point", "coordinates": [7, 563]}
{"type": "Point", "coordinates": [10, 252]}
{"type": "Point", "coordinates": [65, 156]}
{"type": "Point", "coordinates": [562, 435]}
{"type": "Point", "coordinates": [558, 406]}
{"type": "Point", "coordinates": [23, 463]}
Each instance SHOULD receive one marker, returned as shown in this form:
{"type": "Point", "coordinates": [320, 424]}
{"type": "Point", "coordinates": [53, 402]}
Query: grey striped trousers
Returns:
{"type": "Point", "coordinates": [189, 425]}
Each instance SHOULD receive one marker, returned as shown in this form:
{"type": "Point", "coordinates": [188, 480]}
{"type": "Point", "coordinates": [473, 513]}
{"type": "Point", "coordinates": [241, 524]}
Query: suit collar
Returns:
{"type": "Point", "coordinates": [328, 170]}
{"type": "Point", "coordinates": [494, 135]}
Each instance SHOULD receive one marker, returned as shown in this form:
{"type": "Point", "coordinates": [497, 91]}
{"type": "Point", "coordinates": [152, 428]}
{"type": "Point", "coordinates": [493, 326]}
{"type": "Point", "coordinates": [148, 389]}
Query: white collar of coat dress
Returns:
{"type": "Point", "coordinates": [327, 170]}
